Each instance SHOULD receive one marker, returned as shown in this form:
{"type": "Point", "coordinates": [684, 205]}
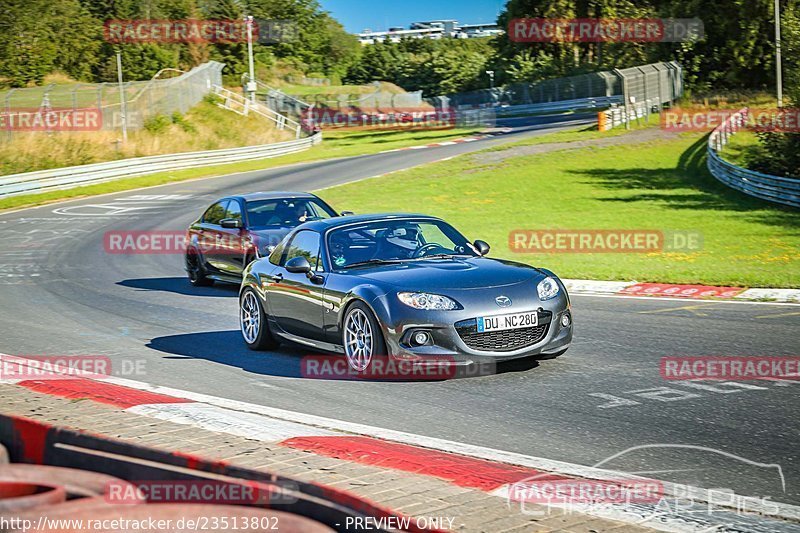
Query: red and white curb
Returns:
{"type": "Point", "coordinates": [435, 145]}
{"type": "Point", "coordinates": [486, 469]}
{"type": "Point", "coordinates": [676, 290]}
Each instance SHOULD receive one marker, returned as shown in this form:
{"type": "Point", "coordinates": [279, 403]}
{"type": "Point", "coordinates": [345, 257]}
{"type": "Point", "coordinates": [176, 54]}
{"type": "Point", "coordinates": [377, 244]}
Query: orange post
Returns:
{"type": "Point", "coordinates": [601, 121]}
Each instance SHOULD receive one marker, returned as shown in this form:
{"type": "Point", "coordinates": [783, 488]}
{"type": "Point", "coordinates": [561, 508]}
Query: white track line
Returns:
{"type": "Point", "coordinates": [240, 423]}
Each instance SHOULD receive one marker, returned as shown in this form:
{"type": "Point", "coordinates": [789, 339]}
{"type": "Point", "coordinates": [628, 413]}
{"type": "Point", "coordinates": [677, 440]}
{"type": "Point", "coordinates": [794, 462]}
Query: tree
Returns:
{"type": "Point", "coordinates": [40, 37]}
{"type": "Point", "coordinates": [779, 153]}
{"type": "Point", "coordinates": [438, 67]}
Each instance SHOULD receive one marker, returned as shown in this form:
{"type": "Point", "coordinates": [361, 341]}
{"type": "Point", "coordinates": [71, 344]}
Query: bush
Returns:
{"type": "Point", "coordinates": [157, 124]}
{"type": "Point", "coordinates": [212, 98]}
{"type": "Point", "coordinates": [184, 124]}
{"type": "Point", "coordinates": [777, 154]}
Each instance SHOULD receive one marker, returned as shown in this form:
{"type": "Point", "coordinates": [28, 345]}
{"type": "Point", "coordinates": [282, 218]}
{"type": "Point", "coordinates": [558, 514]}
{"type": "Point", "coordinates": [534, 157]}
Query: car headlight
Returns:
{"type": "Point", "coordinates": [547, 288]}
{"type": "Point", "coordinates": [423, 300]}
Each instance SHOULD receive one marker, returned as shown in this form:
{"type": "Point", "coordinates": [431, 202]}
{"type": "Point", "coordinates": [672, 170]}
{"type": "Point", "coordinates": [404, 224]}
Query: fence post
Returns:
{"type": "Point", "coordinates": [9, 134]}
{"type": "Point", "coordinates": [625, 96]}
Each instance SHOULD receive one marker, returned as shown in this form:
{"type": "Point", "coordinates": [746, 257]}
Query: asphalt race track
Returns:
{"type": "Point", "coordinates": [62, 294]}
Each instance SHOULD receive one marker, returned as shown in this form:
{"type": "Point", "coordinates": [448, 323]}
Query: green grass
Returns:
{"type": "Point", "coordinates": [663, 185]}
{"type": "Point", "coordinates": [308, 90]}
{"type": "Point", "coordinates": [584, 134]}
{"type": "Point", "coordinates": [739, 147]}
{"type": "Point", "coordinates": [336, 144]}
{"type": "Point", "coordinates": [729, 99]}
{"type": "Point", "coordinates": [204, 127]}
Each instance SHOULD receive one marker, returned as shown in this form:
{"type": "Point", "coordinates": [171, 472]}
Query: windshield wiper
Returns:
{"type": "Point", "coordinates": [440, 256]}
{"type": "Point", "coordinates": [375, 262]}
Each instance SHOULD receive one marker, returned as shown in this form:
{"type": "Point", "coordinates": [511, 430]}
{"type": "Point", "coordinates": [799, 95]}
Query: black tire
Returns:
{"type": "Point", "coordinates": [261, 338]}
{"type": "Point", "coordinates": [195, 269]}
{"type": "Point", "coordinates": [378, 357]}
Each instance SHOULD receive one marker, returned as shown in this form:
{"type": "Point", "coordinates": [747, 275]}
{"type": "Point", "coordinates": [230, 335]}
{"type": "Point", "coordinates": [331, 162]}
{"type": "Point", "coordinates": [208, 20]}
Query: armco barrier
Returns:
{"type": "Point", "coordinates": [562, 105]}
{"type": "Point", "coordinates": [776, 189]}
{"type": "Point", "coordinates": [34, 442]}
{"type": "Point", "coordinates": [624, 115]}
{"type": "Point", "coordinates": [69, 177]}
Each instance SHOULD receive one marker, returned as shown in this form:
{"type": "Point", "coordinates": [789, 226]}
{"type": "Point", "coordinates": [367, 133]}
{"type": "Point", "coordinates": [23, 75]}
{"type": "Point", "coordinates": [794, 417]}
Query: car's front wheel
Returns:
{"type": "Point", "coordinates": [362, 339]}
{"type": "Point", "coordinates": [253, 322]}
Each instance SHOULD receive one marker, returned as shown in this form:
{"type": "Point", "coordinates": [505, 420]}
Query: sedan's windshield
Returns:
{"type": "Point", "coordinates": [379, 242]}
{"type": "Point", "coordinates": [285, 212]}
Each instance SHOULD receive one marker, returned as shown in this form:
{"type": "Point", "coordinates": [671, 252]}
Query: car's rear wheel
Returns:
{"type": "Point", "coordinates": [195, 269]}
{"type": "Point", "coordinates": [253, 322]}
{"type": "Point", "coordinates": [362, 338]}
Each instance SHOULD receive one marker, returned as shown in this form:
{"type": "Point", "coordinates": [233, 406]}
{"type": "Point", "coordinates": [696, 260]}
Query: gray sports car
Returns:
{"type": "Point", "coordinates": [407, 287]}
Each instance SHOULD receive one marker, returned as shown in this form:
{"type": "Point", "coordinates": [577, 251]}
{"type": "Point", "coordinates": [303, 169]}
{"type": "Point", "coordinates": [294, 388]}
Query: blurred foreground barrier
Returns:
{"type": "Point", "coordinates": [776, 189]}
{"type": "Point", "coordinates": [62, 473]}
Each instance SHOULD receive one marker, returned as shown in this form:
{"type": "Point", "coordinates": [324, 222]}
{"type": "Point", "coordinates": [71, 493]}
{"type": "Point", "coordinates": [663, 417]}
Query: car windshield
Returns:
{"type": "Point", "coordinates": [379, 242]}
{"type": "Point", "coordinates": [285, 212]}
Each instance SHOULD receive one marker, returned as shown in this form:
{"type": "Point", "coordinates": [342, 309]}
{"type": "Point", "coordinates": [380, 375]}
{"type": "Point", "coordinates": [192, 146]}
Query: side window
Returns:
{"type": "Point", "coordinates": [215, 213]}
{"type": "Point", "coordinates": [277, 253]}
{"type": "Point", "coordinates": [234, 210]}
{"type": "Point", "coordinates": [304, 244]}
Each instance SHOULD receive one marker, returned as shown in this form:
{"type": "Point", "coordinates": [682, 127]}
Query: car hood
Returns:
{"type": "Point", "coordinates": [454, 273]}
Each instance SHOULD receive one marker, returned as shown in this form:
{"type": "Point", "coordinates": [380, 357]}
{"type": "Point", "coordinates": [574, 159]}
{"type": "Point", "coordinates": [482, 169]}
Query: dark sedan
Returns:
{"type": "Point", "coordinates": [236, 230]}
{"type": "Point", "coordinates": [409, 287]}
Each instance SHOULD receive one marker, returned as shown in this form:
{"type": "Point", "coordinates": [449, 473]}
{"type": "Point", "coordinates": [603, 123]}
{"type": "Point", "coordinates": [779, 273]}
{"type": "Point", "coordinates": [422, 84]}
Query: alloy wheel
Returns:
{"type": "Point", "coordinates": [250, 317]}
{"type": "Point", "coordinates": [358, 340]}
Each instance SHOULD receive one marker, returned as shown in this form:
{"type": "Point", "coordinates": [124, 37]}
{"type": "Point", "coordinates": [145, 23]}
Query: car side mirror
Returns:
{"type": "Point", "coordinates": [298, 265]}
{"type": "Point", "coordinates": [231, 223]}
{"type": "Point", "coordinates": [345, 213]}
{"type": "Point", "coordinates": [482, 247]}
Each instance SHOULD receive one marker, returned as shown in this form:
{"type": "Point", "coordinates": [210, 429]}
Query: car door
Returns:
{"type": "Point", "coordinates": [296, 300]}
{"type": "Point", "coordinates": [228, 251]}
{"type": "Point", "coordinates": [209, 233]}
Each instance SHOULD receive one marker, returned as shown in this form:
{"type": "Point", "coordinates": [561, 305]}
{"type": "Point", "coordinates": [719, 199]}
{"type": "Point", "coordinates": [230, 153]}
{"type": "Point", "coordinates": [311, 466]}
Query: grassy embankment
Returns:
{"type": "Point", "coordinates": [336, 144]}
{"type": "Point", "coordinates": [205, 127]}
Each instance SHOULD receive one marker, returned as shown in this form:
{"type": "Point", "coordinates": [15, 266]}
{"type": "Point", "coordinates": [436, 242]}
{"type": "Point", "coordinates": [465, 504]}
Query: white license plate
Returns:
{"type": "Point", "coordinates": [511, 321]}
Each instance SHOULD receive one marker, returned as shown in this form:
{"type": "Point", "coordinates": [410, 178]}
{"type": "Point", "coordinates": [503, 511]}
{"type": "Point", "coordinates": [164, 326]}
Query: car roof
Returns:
{"type": "Point", "coordinates": [335, 222]}
{"type": "Point", "coordinates": [272, 195]}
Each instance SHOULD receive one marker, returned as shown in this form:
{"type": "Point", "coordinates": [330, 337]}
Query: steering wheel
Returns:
{"type": "Point", "coordinates": [422, 250]}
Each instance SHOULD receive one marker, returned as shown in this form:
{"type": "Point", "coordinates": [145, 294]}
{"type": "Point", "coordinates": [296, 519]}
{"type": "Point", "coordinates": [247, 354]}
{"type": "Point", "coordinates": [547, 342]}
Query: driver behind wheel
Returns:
{"type": "Point", "coordinates": [398, 243]}
{"type": "Point", "coordinates": [292, 213]}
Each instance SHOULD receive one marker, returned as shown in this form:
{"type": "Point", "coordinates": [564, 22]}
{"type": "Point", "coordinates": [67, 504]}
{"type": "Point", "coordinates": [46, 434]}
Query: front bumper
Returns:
{"type": "Point", "coordinates": [454, 337]}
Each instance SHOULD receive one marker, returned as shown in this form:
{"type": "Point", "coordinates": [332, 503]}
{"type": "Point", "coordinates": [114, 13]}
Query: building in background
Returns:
{"type": "Point", "coordinates": [431, 29]}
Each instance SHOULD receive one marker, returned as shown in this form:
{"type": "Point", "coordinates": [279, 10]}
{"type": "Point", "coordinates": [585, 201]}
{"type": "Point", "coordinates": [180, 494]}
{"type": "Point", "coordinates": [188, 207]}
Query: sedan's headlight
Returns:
{"type": "Point", "coordinates": [422, 300]}
{"type": "Point", "coordinates": [547, 288]}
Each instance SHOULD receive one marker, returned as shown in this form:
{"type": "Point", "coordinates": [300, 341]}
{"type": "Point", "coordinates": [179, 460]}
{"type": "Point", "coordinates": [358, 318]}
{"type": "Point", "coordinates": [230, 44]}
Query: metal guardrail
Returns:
{"type": "Point", "coordinates": [69, 177]}
{"type": "Point", "coordinates": [563, 105]}
{"type": "Point", "coordinates": [776, 189]}
{"type": "Point", "coordinates": [243, 106]}
{"type": "Point", "coordinates": [282, 103]}
{"type": "Point", "coordinates": [624, 115]}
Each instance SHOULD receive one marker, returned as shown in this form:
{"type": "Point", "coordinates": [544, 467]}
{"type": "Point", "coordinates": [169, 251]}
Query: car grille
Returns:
{"type": "Point", "coordinates": [504, 340]}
